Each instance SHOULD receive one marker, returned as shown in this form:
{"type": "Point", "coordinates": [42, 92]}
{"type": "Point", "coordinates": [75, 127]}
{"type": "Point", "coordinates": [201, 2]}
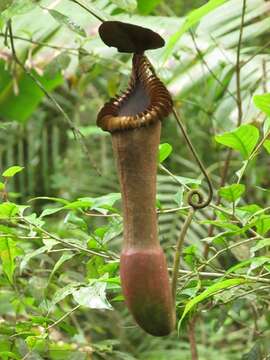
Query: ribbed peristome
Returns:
{"type": "Point", "coordinates": [145, 101]}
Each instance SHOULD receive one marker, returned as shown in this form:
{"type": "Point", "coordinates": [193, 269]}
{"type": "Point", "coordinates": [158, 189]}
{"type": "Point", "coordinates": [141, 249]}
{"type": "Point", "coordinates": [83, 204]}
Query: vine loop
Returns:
{"type": "Point", "coordinates": [199, 202]}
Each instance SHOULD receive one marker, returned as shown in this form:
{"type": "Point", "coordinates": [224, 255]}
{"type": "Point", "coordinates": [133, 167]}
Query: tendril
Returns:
{"type": "Point", "coordinates": [195, 197]}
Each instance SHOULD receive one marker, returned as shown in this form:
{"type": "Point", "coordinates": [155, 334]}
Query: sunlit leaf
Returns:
{"type": "Point", "coordinates": [145, 7]}
{"type": "Point", "coordinates": [164, 151]}
{"type": "Point", "coordinates": [232, 192]}
{"type": "Point", "coordinates": [262, 102]}
{"type": "Point", "coordinates": [243, 139]}
{"type": "Point", "coordinates": [8, 252]}
{"type": "Point", "coordinates": [10, 172]}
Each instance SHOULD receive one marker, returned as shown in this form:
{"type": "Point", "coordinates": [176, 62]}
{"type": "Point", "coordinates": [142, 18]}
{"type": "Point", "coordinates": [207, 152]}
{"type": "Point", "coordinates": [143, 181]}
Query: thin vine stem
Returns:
{"type": "Point", "coordinates": [178, 251]}
{"type": "Point", "coordinates": [88, 10]}
{"type": "Point", "coordinates": [76, 132]}
{"type": "Point", "coordinates": [201, 203]}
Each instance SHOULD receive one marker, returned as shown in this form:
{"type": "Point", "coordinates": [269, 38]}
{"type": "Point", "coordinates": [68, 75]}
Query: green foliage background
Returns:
{"type": "Point", "coordinates": [60, 209]}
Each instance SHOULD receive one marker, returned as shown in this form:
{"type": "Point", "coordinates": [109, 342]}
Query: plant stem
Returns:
{"type": "Point", "coordinates": [178, 251]}
{"type": "Point", "coordinates": [192, 338]}
{"type": "Point", "coordinates": [238, 67]}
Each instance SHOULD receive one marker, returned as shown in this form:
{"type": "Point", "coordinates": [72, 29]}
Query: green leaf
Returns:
{"type": "Point", "coordinates": [127, 5]}
{"type": "Point", "coordinates": [50, 211]}
{"type": "Point", "coordinates": [210, 291]}
{"type": "Point", "coordinates": [266, 145]}
{"type": "Point", "coordinates": [232, 192]}
{"type": "Point", "coordinates": [17, 7]}
{"type": "Point", "coordinates": [64, 257]}
{"type": "Point", "coordinates": [8, 210]}
{"type": "Point", "coordinates": [8, 355]}
{"type": "Point", "coordinates": [10, 172]}
{"type": "Point", "coordinates": [8, 252]}
{"type": "Point", "coordinates": [93, 297]}
{"type": "Point", "coordinates": [262, 102]}
{"type": "Point", "coordinates": [19, 107]}
{"type": "Point", "coordinates": [193, 18]}
{"type": "Point", "coordinates": [65, 20]}
{"type": "Point", "coordinates": [243, 139]}
{"type": "Point", "coordinates": [2, 186]}
{"type": "Point", "coordinates": [263, 224]}
{"type": "Point", "coordinates": [164, 151]}
{"type": "Point", "coordinates": [145, 7]}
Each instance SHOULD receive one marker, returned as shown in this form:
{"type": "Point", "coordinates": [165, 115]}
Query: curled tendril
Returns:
{"type": "Point", "coordinates": [199, 202]}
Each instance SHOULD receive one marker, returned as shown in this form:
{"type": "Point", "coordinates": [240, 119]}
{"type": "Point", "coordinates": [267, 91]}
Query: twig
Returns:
{"type": "Point", "coordinates": [201, 203]}
{"type": "Point", "coordinates": [88, 10]}
{"type": "Point", "coordinates": [178, 251]}
{"type": "Point", "coordinates": [209, 69]}
{"type": "Point", "coordinates": [238, 67]}
{"type": "Point", "coordinates": [63, 317]}
{"type": "Point", "coordinates": [76, 132]}
{"type": "Point", "coordinates": [56, 238]}
{"type": "Point", "coordinates": [192, 338]}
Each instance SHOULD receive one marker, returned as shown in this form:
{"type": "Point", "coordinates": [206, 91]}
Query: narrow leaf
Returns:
{"type": "Point", "coordinates": [10, 172]}
{"type": "Point", "coordinates": [65, 20]}
{"type": "Point", "coordinates": [210, 291]}
{"type": "Point", "coordinates": [193, 18]}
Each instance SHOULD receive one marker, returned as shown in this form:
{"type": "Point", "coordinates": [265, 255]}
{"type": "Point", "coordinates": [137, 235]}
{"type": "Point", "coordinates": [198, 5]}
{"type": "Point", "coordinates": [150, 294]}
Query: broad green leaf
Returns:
{"type": "Point", "coordinates": [232, 192]}
{"type": "Point", "coordinates": [65, 20]}
{"type": "Point", "coordinates": [2, 186]}
{"type": "Point", "coordinates": [266, 145]}
{"type": "Point", "coordinates": [127, 5]}
{"type": "Point", "coordinates": [93, 297]}
{"type": "Point", "coordinates": [10, 172]}
{"type": "Point", "coordinates": [193, 18]}
{"type": "Point", "coordinates": [145, 7]}
{"type": "Point", "coordinates": [243, 139]}
{"type": "Point", "coordinates": [263, 224]}
{"type": "Point", "coordinates": [210, 291]}
{"type": "Point", "coordinates": [262, 102]}
{"type": "Point", "coordinates": [8, 210]}
{"type": "Point", "coordinates": [8, 252]}
{"type": "Point", "coordinates": [8, 355]}
{"type": "Point", "coordinates": [164, 151]}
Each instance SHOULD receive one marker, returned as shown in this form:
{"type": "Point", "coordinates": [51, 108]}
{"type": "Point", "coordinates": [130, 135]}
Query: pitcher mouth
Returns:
{"type": "Point", "coordinates": [145, 101]}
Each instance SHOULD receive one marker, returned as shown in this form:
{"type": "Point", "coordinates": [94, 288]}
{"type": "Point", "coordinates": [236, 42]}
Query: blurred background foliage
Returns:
{"type": "Point", "coordinates": [44, 313]}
